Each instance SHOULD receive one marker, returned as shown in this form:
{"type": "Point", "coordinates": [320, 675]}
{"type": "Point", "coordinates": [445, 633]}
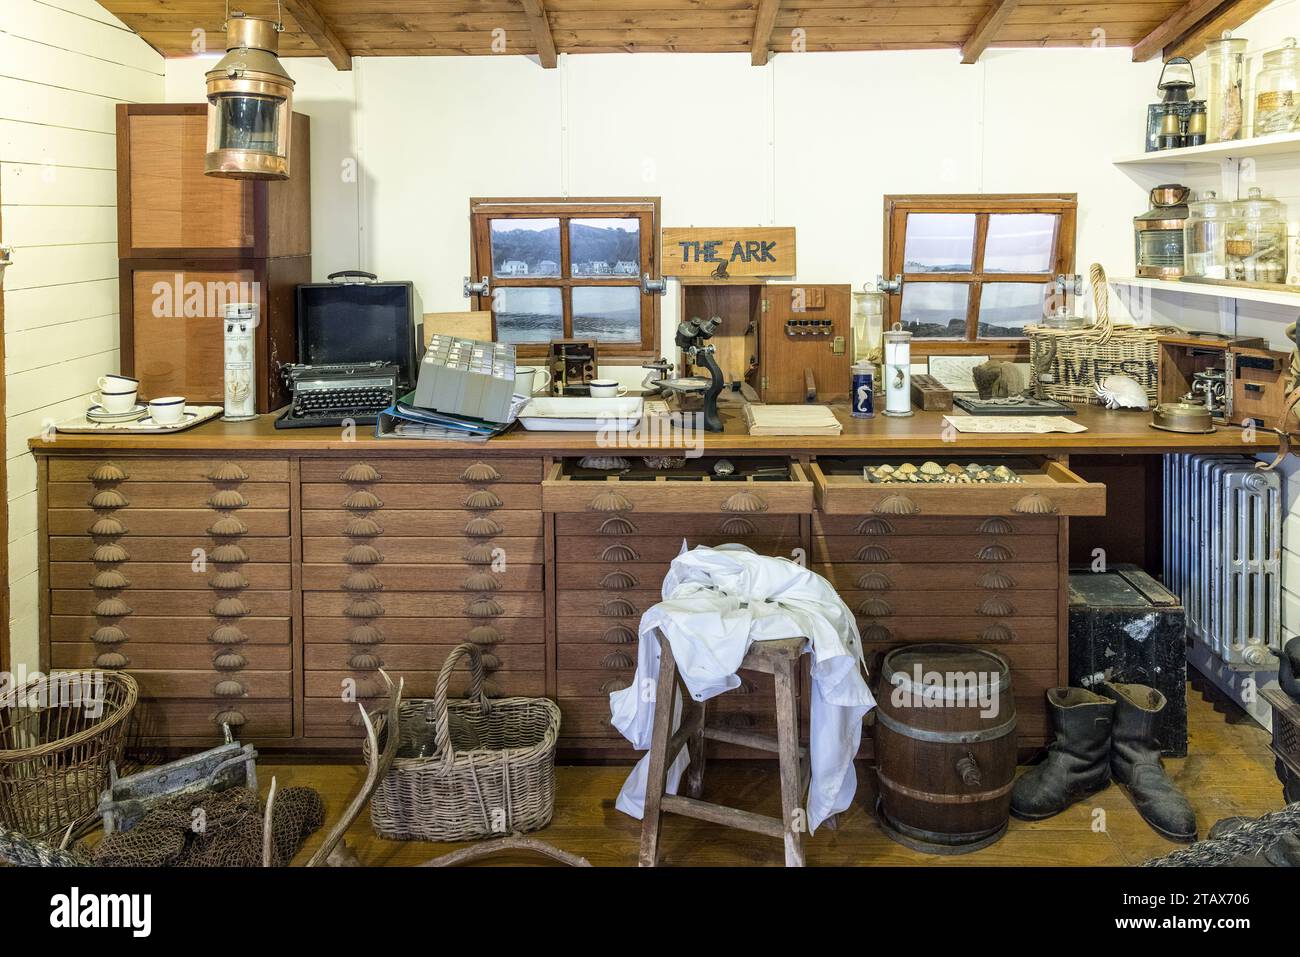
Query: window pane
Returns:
{"type": "Point", "coordinates": [605, 247]}
{"type": "Point", "coordinates": [939, 242]}
{"type": "Point", "coordinates": [525, 247]}
{"type": "Point", "coordinates": [935, 310]}
{"type": "Point", "coordinates": [1020, 242]}
{"type": "Point", "coordinates": [607, 313]}
{"type": "Point", "coordinates": [1005, 307]}
{"type": "Point", "coordinates": [528, 315]}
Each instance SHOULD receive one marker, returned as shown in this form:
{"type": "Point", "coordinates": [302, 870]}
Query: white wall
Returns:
{"type": "Point", "coordinates": [63, 66]}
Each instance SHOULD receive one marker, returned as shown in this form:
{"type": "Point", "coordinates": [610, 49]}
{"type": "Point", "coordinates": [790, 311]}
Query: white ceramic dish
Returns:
{"type": "Point", "coordinates": [97, 413]}
{"type": "Point", "coordinates": [563, 414]}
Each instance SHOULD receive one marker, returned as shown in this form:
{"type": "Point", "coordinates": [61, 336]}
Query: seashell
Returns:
{"type": "Point", "coordinates": [1122, 392]}
{"type": "Point", "coordinates": [995, 553]}
{"type": "Point", "coordinates": [360, 472]}
{"type": "Point", "coordinates": [877, 633]}
{"type": "Point", "coordinates": [227, 526]}
{"type": "Point", "coordinates": [227, 498]}
{"type": "Point", "coordinates": [875, 608]}
{"type": "Point", "coordinates": [230, 608]}
{"type": "Point", "coordinates": [227, 635]}
{"type": "Point", "coordinates": [365, 662]}
{"type": "Point", "coordinates": [228, 554]}
{"type": "Point", "coordinates": [484, 607]}
{"type": "Point", "coordinates": [227, 472]}
{"type": "Point", "coordinates": [996, 526]}
{"type": "Point", "coordinates": [483, 527]}
{"type": "Point", "coordinates": [617, 659]}
{"type": "Point", "coordinates": [112, 608]}
{"type": "Point", "coordinates": [663, 461]}
{"type": "Point", "coordinates": [997, 632]}
{"type": "Point", "coordinates": [363, 555]}
{"type": "Point", "coordinates": [609, 501]}
{"type": "Point", "coordinates": [363, 608]}
{"type": "Point", "coordinates": [483, 498]}
{"type": "Point", "coordinates": [108, 498]}
{"type": "Point", "coordinates": [481, 554]}
{"type": "Point", "coordinates": [618, 525]}
{"type": "Point", "coordinates": [108, 635]}
{"type": "Point", "coordinates": [1003, 472]}
{"type": "Point", "coordinates": [618, 684]}
{"type": "Point", "coordinates": [483, 635]}
{"type": "Point", "coordinates": [604, 463]}
{"type": "Point", "coordinates": [1035, 503]}
{"type": "Point", "coordinates": [480, 472]}
{"type": "Point", "coordinates": [745, 502]}
{"type": "Point", "coordinates": [232, 718]}
{"type": "Point", "coordinates": [108, 472]}
{"type": "Point", "coordinates": [109, 554]}
{"type": "Point", "coordinates": [619, 581]}
{"type": "Point", "coordinates": [952, 468]}
{"type": "Point", "coordinates": [107, 528]}
{"type": "Point", "coordinates": [907, 468]}
{"type": "Point", "coordinates": [620, 552]}
{"type": "Point", "coordinates": [109, 579]}
{"type": "Point", "coordinates": [362, 582]}
{"type": "Point", "coordinates": [885, 469]}
{"type": "Point", "coordinates": [618, 635]}
{"type": "Point", "coordinates": [229, 661]}
{"type": "Point", "coordinates": [737, 527]}
{"type": "Point", "coordinates": [112, 659]}
{"type": "Point", "coordinates": [363, 527]}
{"type": "Point", "coordinates": [229, 688]}
{"type": "Point", "coordinates": [996, 607]}
{"type": "Point", "coordinates": [618, 608]}
{"type": "Point", "coordinates": [995, 580]}
{"type": "Point", "coordinates": [874, 553]}
{"type": "Point", "coordinates": [363, 500]}
{"type": "Point", "coordinates": [875, 526]}
{"type": "Point", "coordinates": [875, 581]}
{"type": "Point", "coordinates": [365, 635]}
{"type": "Point", "coordinates": [896, 505]}
{"type": "Point", "coordinates": [228, 581]}
{"type": "Point", "coordinates": [931, 468]}
{"type": "Point", "coordinates": [481, 581]}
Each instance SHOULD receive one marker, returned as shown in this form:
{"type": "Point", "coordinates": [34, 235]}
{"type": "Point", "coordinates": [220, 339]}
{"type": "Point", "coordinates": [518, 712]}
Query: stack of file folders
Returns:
{"type": "Point", "coordinates": [405, 420]}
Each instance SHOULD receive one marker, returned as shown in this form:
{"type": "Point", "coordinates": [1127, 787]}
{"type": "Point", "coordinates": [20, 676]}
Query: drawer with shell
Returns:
{"type": "Point", "coordinates": [719, 527]}
{"type": "Point", "coordinates": [180, 549]}
{"type": "Point", "coordinates": [199, 721]}
{"type": "Point", "coordinates": [126, 470]}
{"type": "Point", "coordinates": [984, 604]}
{"type": "Point", "coordinates": [232, 686]}
{"type": "Point", "coordinates": [610, 578]}
{"type": "Point", "coordinates": [400, 658]}
{"type": "Point", "coordinates": [168, 495]}
{"type": "Point", "coordinates": [661, 548]}
{"type": "Point", "coordinates": [110, 524]}
{"type": "Point", "coordinates": [174, 575]}
{"type": "Point", "coordinates": [703, 486]}
{"type": "Point", "coordinates": [878, 526]}
{"type": "Point", "coordinates": [110, 631]}
{"type": "Point", "coordinates": [887, 578]}
{"type": "Point", "coordinates": [421, 684]}
{"type": "Point", "coordinates": [133, 602]}
{"type": "Point", "coordinates": [921, 549]}
{"type": "Point", "coordinates": [590, 717]}
{"type": "Point", "coordinates": [152, 656]}
{"type": "Point", "coordinates": [506, 576]}
{"type": "Point", "coordinates": [434, 523]}
{"type": "Point", "coordinates": [612, 606]}
{"type": "Point", "coordinates": [971, 628]}
{"type": "Point", "coordinates": [418, 632]}
{"type": "Point", "coordinates": [1019, 486]}
{"type": "Point", "coordinates": [413, 496]}
{"type": "Point", "coordinates": [362, 552]}
{"type": "Point", "coordinates": [423, 605]}
{"type": "Point", "coordinates": [422, 470]}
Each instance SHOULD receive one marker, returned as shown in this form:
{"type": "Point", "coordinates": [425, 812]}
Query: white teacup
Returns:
{"type": "Point", "coordinates": [167, 410]}
{"type": "Point", "coordinates": [119, 400]}
{"type": "Point", "coordinates": [606, 389]}
{"type": "Point", "coordinates": [526, 379]}
{"type": "Point", "coordinates": [117, 383]}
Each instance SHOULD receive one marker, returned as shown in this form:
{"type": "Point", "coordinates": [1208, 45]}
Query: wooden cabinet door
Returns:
{"type": "Point", "coordinates": [804, 337]}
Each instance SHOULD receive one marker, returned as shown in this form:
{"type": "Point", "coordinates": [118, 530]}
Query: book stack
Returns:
{"type": "Point", "coordinates": [791, 420]}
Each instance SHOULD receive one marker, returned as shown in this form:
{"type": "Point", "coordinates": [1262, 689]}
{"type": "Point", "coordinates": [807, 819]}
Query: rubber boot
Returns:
{"type": "Point", "coordinates": [1288, 671]}
{"type": "Point", "coordinates": [1077, 763]}
{"type": "Point", "coordinates": [1135, 761]}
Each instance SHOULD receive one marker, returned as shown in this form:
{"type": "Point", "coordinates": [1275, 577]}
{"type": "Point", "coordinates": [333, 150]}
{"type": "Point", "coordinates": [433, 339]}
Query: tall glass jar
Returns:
{"type": "Point", "coordinates": [1225, 106]}
{"type": "Point", "coordinates": [898, 371]}
{"type": "Point", "coordinates": [868, 324]}
{"type": "Point", "coordinates": [1256, 240]}
{"type": "Point", "coordinates": [1205, 236]}
{"type": "Point", "coordinates": [1277, 91]}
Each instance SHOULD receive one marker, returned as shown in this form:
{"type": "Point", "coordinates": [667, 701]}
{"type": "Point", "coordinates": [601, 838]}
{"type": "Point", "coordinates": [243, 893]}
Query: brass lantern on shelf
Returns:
{"type": "Point", "coordinates": [250, 104]}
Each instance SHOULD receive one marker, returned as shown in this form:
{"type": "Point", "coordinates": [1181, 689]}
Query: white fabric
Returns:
{"type": "Point", "coordinates": [716, 601]}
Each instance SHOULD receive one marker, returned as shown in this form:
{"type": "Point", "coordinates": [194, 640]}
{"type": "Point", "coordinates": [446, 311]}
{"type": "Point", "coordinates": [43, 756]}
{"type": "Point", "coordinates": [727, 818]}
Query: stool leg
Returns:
{"type": "Point", "coordinates": [694, 784]}
{"type": "Point", "coordinates": [657, 779]}
{"type": "Point", "coordinates": [787, 733]}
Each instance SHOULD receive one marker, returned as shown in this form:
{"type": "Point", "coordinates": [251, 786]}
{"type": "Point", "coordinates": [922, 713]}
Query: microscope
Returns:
{"type": "Point", "coordinates": [692, 338]}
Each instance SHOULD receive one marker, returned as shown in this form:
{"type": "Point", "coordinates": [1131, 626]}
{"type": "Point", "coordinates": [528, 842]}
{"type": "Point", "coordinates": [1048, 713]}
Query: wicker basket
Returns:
{"type": "Point", "coordinates": [58, 735]}
{"type": "Point", "coordinates": [1070, 362]}
{"type": "Point", "coordinates": [491, 773]}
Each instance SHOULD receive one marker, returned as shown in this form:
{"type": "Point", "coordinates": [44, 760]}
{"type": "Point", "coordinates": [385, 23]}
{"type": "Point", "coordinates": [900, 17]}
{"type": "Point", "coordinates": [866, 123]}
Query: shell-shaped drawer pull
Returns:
{"type": "Point", "coordinates": [112, 660]}
{"type": "Point", "coordinates": [227, 635]}
{"type": "Point", "coordinates": [107, 527]}
{"type": "Point", "coordinates": [736, 720]}
{"type": "Point", "coordinates": [109, 554]}
{"type": "Point", "coordinates": [230, 608]}
{"type": "Point", "coordinates": [229, 661]}
{"type": "Point", "coordinates": [481, 554]}
{"type": "Point", "coordinates": [490, 661]}
{"type": "Point", "coordinates": [896, 505]}
{"type": "Point", "coordinates": [875, 526]}
{"type": "Point", "coordinates": [364, 661]}
{"type": "Point", "coordinates": [368, 688]}
{"type": "Point", "coordinates": [482, 499]}
{"type": "Point", "coordinates": [481, 581]}
{"type": "Point", "coordinates": [362, 582]}
{"type": "Point", "coordinates": [618, 525]}
{"type": "Point", "coordinates": [227, 498]}
{"type": "Point", "coordinates": [228, 553]}
{"type": "Point", "coordinates": [108, 472]}
{"type": "Point", "coordinates": [228, 581]}
{"type": "Point", "coordinates": [610, 685]}
{"type": "Point", "coordinates": [480, 472]}
{"type": "Point", "coordinates": [876, 633]}
{"type": "Point", "coordinates": [233, 718]}
{"type": "Point", "coordinates": [618, 635]}
{"type": "Point", "coordinates": [995, 581]}
{"type": "Point", "coordinates": [622, 552]}
{"type": "Point", "coordinates": [484, 635]}
{"type": "Point", "coordinates": [996, 607]}
{"type": "Point", "coordinates": [997, 552]}
{"type": "Point", "coordinates": [618, 608]}
{"type": "Point", "coordinates": [874, 553]}
{"type": "Point", "coordinates": [108, 635]}
{"type": "Point", "coordinates": [108, 498]}
{"type": "Point", "coordinates": [996, 526]}
{"type": "Point", "coordinates": [617, 661]}
{"type": "Point", "coordinates": [229, 688]}
{"type": "Point", "coordinates": [354, 719]}
{"type": "Point", "coordinates": [363, 555]}
{"type": "Point", "coordinates": [1036, 503]}
{"type": "Point", "coordinates": [875, 608]}
{"type": "Point", "coordinates": [362, 527]}
{"type": "Point", "coordinates": [744, 501]}
{"type": "Point", "coordinates": [492, 689]}
{"type": "Point", "coordinates": [738, 527]}
{"type": "Point", "coordinates": [875, 581]}
{"type": "Point", "coordinates": [365, 636]}
{"type": "Point", "coordinates": [112, 608]}
{"type": "Point", "coordinates": [484, 607]}
{"type": "Point", "coordinates": [109, 579]}
{"type": "Point", "coordinates": [363, 500]}
{"type": "Point", "coordinates": [228, 472]}
{"type": "Point", "coordinates": [997, 633]}
{"type": "Point", "coordinates": [483, 527]}
{"type": "Point", "coordinates": [610, 501]}
{"type": "Point", "coordinates": [227, 527]}
{"type": "Point", "coordinates": [619, 581]}
{"type": "Point", "coordinates": [363, 608]}
{"type": "Point", "coordinates": [360, 472]}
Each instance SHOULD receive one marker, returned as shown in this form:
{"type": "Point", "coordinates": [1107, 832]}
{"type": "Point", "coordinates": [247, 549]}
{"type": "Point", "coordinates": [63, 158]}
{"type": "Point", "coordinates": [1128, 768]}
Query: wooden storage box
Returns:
{"type": "Point", "coordinates": [1184, 355]}
{"type": "Point", "coordinates": [681, 491]}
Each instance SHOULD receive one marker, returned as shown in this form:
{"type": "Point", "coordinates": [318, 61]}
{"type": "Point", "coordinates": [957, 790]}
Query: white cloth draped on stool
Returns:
{"type": "Point", "coordinates": [716, 601]}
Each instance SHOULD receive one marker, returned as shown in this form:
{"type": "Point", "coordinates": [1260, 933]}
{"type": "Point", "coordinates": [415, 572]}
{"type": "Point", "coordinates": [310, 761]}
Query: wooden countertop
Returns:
{"type": "Point", "coordinates": [1108, 432]}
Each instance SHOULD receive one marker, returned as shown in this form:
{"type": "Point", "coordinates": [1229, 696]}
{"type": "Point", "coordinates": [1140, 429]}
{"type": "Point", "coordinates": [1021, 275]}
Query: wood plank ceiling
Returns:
{"type": "Point", "coordinates": [341, 29]}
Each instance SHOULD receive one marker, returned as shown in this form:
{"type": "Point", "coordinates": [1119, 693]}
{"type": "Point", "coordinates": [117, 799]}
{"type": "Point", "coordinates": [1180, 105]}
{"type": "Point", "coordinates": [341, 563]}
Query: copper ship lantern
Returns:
{"type": "Point", "coordinates": [250, 104]}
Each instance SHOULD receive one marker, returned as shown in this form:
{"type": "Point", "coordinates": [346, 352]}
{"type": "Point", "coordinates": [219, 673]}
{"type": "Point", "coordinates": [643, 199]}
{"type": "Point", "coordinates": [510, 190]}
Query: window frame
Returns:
{"type": "Point", "coordinates": [897, 208]}
{"type": "Point", "coordinates": [646, 209]}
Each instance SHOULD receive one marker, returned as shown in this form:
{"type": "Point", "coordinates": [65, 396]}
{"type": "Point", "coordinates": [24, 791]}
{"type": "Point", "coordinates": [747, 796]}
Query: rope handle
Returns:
{"type": "Point", "coordinates": [442, 729]}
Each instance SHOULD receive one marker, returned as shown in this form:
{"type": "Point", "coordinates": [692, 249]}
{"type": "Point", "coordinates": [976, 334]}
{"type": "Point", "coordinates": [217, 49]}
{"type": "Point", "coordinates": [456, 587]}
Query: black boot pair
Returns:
{"type": "Point", "coordinates": [1100, 736]}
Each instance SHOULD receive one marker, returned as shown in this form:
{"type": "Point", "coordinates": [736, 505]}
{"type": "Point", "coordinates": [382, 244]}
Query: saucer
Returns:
{"type": "Point", "coordinates": [148, 423]}
{"type": "Point", "coordinates": [96, 413]}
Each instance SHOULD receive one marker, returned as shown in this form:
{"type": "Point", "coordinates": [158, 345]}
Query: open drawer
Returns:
{"type": "Point", "coordinates": [765, 485]}
{"type": "Point", "coordinates": [1045, 487]}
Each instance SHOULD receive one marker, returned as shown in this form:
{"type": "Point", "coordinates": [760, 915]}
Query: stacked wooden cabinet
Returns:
{"type": "Point", "coordinates": [190, 243]}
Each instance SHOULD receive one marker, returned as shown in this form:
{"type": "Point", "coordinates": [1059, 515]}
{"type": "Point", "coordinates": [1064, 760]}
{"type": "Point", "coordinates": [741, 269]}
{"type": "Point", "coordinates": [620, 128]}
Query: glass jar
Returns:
{"type": "Point", "coordinates": [898, 371]}
{"type": "Point", "coordinates": [1277, 91]}
{"type": "Point", "coordinates": [868, 324]}
{"type": "Point", "coordinates": [1256, 240]}
{"type": "Point", "coordinates": [1225, 66]}
{"type": "Point", "coordinates": [1205, 236]}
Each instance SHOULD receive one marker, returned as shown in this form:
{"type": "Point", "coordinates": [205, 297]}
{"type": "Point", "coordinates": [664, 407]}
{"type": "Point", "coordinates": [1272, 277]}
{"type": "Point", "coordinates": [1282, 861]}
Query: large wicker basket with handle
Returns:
{"type": "Point", "coordinates": [1069, 363]}
{"type": "Point", "coordinates": [470, 768]}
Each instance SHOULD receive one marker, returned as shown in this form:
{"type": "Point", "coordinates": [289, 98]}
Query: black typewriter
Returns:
{"type": "Point", "coordinates": [337, 394]}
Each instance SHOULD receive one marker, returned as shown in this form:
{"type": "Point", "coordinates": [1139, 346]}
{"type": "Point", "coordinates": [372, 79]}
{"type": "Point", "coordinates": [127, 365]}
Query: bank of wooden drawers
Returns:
{"type": "Point", "coordinates": [177, 569]}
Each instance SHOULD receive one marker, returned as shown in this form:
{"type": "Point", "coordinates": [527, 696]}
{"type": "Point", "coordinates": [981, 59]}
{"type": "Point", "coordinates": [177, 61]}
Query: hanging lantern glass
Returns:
{"type": "Point", "coordinates": [250, 104]}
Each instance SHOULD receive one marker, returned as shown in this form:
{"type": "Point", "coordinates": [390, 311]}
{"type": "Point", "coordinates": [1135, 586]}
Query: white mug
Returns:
{"type": "Point", "coordinates": [119, 401]}
{"type": "Point", "coordinates": [606, 389]}
{"type": "Point", "coordinates": [117, 383]}
{"type": "Point", "coordinates": [167, 410]}
{"type": "Point", "coordinates": [526, 379]}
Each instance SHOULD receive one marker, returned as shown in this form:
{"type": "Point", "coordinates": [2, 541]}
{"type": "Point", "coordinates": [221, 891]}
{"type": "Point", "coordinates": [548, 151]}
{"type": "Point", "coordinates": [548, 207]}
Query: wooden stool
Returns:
{"type": "Point", "coordinates": [780, 659]}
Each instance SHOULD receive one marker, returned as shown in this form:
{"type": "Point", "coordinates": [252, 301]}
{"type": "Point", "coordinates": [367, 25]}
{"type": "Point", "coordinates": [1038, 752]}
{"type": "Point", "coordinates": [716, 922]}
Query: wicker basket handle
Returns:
{"type": "Point", "coordinates": [442, 729]}
{"type": "Point", "coordinates": [1101, 300]}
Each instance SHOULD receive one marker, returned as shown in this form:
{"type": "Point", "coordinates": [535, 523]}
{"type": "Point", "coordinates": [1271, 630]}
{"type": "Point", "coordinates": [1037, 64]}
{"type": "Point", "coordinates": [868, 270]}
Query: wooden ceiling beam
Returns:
{"type": "Point", "coordinates": [536, 12]}
{"type": "Point", "coordinates": [1182, 20]}
{"type": "Point", "coordinates": [1227, 16]}
{"type": "Point", "coordinates": [314, 25]}
{"type": "Point", "coordinates": [764, 22]}
{"type": "Point", "coordinates": [986, 30]}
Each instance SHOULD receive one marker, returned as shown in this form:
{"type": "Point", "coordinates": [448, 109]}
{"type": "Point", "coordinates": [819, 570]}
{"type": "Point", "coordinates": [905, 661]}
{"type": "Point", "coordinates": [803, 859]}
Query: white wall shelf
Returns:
{"type": "Point", "coordinates": [1215, 153]}
{"type": "Point", "coordinates": [1278, 297]}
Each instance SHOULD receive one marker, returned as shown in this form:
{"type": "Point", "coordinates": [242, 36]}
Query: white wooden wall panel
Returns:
{"type": "Point", "coordinates": [35, 307]}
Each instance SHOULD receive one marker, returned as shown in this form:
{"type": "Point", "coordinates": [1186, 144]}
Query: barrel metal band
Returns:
{"type": "Point", "coordinates": [931, 797]}
{"type": "Point", "coordinates": [947, 737]}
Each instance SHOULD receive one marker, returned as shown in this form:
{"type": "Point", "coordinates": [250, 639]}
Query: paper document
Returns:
{"type": "Point", "coordinates": [1030, 424]}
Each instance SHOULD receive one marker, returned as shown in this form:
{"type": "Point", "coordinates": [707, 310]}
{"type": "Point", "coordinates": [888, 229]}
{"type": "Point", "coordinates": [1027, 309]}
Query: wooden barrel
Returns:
{"type": "Point", "coordinates": [945, 740]}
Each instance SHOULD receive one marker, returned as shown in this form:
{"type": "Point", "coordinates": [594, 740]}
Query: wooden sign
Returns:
{"type": "Point", "coordinates": [721, 253]}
